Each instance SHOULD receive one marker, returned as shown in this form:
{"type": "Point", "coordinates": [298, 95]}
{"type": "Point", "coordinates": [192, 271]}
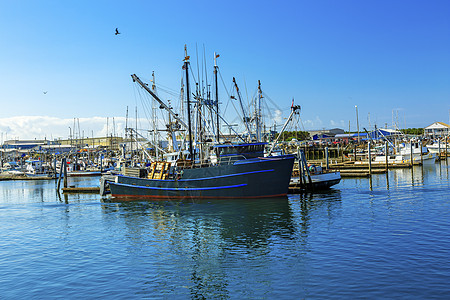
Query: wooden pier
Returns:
{"type": "Point", "coordinates": [87, 190]}
{"type": "Point", "coordinates": [23, 177]}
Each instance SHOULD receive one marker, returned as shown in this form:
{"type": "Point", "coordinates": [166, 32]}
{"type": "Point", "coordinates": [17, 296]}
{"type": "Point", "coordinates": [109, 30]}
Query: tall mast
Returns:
{"type": "Point", "coordinates": [258, 113]}
{"type": "Point", "coordinates": [217, 95]}
{"type": "Point", "coordinates": [186, 67]}
{"type": "Point", "coordinates": [136, 130]}
{"type": "Point", "coordinates": [155, 125]}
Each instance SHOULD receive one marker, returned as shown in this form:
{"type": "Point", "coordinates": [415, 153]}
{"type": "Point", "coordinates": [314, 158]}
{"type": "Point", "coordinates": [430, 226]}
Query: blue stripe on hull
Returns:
{"type": "Point", "coordinates": [179, 189]}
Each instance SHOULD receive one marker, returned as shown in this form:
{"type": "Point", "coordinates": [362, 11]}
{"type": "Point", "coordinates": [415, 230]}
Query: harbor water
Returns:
{"type": "Point", "coordinates": [385, 237]}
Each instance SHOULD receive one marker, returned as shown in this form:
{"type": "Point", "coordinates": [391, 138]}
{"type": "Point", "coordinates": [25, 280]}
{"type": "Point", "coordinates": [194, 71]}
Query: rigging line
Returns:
{"type": "Point", "coordinates": [237, 110]}
{"type": "Point", "coordinates": [193, 76]}
{"type": "Point", "coordinates": [230, 100]}
{"type": "Point", "coordinates": [272, 102]}
{"type": "Point", "coordinates": [246, 94]}
{"type": "Point", "coordinates": [159, 86]}
{"type": "Point", "coordinates": [198, 68]}
{"type": "Point", "coordinates": [226, 90]}
{"type": "Point", "coordinates": [205, 123]}
{"type": "Point", "coordinates": [206, 71]}
{"type": "Point", "coordinates": [171, 94]}
{"type": "Point", "coordinates": [145, 109]}
{"type": "Point", "coordinates": [223, 82]}
{"type": "Point", "coordinates": [142, 97]}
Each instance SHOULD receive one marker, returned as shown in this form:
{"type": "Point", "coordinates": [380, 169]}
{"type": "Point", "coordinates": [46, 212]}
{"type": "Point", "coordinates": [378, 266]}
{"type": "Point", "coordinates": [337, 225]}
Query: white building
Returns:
{"type": "Point", "coordinates": [437, 129]}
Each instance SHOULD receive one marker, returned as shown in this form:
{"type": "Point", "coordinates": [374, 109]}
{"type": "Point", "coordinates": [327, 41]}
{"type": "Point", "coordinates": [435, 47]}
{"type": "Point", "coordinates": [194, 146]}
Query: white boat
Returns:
{"type": "Point", "coordinates": [319, 181]}
{"type": "Point", "coordinates": [403, 155]}
{"type": "Point", "coordinates": [434, 147]}
{"type": "Point", "coordinates": [307, 177]}
{"type": "Point", "coordinates": [36, 168]}
{"type": "Point", "coordinates": [11, 168]}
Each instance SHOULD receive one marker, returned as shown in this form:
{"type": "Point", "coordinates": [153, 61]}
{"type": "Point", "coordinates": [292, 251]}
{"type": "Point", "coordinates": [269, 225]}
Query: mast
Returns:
{"type": "Point", "coordinates": [186, 67]}
{"type": "Point", "coordinates": [126, 125]}
{"type": "Point", "coordinates": [155, 137]}
{"type": "Point", "coordinates": [136, 130]}
{"type": "Point", "coordinates": [258, 113]}
{"type": "Point", "coordinates": [217, 96]}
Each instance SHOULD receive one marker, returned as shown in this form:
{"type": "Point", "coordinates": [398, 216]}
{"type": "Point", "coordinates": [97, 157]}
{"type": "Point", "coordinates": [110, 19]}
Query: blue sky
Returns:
{"type": "Point", "coordinates": [382, 56]}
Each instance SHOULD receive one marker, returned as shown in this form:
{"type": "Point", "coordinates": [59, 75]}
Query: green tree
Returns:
{"type": "Point", "coordinates": [413, 131]}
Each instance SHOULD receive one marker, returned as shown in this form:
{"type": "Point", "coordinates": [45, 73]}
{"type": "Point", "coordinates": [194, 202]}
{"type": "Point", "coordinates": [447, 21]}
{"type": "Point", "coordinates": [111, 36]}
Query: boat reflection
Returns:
{"type": "Point", "coordinates": [248, 222]}
{"type": "Point", "coordinates": [200, 235]}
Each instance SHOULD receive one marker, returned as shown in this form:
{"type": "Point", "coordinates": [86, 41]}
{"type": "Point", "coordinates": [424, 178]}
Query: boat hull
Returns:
{"type": "Point", "coordinates": [318, 182]}
{"type": "Point", "coordinates": [250, 178]}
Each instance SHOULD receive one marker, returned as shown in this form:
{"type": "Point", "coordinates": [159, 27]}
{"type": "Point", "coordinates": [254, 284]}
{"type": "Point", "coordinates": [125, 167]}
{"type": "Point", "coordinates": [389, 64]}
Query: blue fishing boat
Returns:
{"type": "Point", "coordinates": [241, 178]}
{"type": "Point", "coordinates": [229, 170]}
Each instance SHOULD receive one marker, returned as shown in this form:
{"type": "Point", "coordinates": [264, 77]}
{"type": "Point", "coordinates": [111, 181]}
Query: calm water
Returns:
{"type": "Point", "coordinates": [384, 238]}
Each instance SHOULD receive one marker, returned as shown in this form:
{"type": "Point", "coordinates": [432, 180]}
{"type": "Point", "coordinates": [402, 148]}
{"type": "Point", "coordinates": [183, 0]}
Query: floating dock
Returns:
{"type": "Point", "coordinates": [88, 190]}
{"type": "Point", "coordinates": [22, 177]}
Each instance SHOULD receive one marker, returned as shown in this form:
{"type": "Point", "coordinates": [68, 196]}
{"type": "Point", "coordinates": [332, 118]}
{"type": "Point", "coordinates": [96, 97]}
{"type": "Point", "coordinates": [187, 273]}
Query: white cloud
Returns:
{"type": "Point", "coordinates": [50, 128]}
{"type": "Point", "coordinates": [339, 124]}
{"type": "Point", "coordinates": [314, 124]}
{"type": "Point", "coordinates": [277, 118]}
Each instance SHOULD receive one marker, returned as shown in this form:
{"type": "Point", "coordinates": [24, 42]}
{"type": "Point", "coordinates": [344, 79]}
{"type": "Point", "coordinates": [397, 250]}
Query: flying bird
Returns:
{"type": "Point", "coordinates": [45, 92]}
{"type": "Point", "coordinates": [117, 31]}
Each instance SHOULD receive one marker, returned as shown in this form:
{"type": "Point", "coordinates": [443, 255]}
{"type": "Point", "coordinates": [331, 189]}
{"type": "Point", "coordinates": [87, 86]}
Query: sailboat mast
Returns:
{"type": "Point", "coordinates": [217, 96]}
{"type": "Point", "coordinates": [186, 67]}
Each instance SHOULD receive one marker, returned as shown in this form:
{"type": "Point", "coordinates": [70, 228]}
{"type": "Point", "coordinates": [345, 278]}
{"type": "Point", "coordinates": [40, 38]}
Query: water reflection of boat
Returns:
{"type": "Point", "coordinates": [211, 241]}
{"type": "Point", "coordinates": [200, 235]}
{"type": "Point", "coordinates": [238, 221]}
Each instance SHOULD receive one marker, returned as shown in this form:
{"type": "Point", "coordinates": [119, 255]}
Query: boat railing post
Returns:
{"type": "Point", "coordinates": [307, 172]}
{"type": "Point", "coordinates": [421, 152]}
{"type": "Point", "coordinates": [56, 171]}
{"type": "Point", "coordinates": [300, 166]}
{"type": "Point", "coordinates": [446, 146]}
{"type": "Point", "coordinates": [64, 163]}
{"type": "Point", "coordinates": [411, 152]}
{"type": "Point", "coordinates": [370, 158]}
{"type": "Point", "coordinates": [386, 153]}
{"type": "Point", "coordinates": [439, 148]}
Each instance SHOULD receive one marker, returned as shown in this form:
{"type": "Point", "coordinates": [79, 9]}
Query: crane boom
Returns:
{"type": "Point", "coordinates": [163, 105]}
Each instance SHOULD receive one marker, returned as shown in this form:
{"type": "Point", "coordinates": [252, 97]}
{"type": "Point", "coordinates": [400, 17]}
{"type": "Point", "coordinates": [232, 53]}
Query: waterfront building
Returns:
{"type": "Point", "coordinates": [437, 129]}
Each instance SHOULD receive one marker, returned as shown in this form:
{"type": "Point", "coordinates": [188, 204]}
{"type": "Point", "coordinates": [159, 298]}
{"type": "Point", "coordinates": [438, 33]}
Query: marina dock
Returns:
{"type": "Point", "coordinates": [74, 190]}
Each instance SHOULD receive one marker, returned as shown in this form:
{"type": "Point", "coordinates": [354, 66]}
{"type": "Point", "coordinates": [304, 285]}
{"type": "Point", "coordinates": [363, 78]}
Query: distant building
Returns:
{"type": "Point", "coordinates": [25, 144]}
{"type": "Point", "coordinates": [377, 134]}
{"type": "Point", "coordinates": [437, 129]}
{"type": "Point", "coordinates": [325, 133]}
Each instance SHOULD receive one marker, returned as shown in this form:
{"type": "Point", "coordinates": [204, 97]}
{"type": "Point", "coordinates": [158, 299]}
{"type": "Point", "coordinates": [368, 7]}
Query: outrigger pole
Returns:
{"type": "Point", "coordinates": [186, 66]}
{"type": "Point", "coordinates": [217, 95]}
{"type": "Point", "coordinates": [294, 109]}
{"type": "Point", "coordinates": [163, 105]}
